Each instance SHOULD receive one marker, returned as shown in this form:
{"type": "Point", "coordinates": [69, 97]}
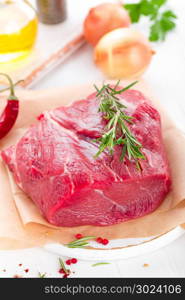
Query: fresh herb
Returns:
{"type": "Point", "coordinates": [160, 22]}
{"type": "Point", "coordinates": [42, 275]}
{"type": "Point", "coordinates": [118, 133]}
{"type": "Point", "coordinates": [80, 243]}
{"type": "Point", "coordinates": [162, 26]}
{"type": "Point", "coordinates": [101, 263]}
{"type": "Point", "coordinates": [62, 265]}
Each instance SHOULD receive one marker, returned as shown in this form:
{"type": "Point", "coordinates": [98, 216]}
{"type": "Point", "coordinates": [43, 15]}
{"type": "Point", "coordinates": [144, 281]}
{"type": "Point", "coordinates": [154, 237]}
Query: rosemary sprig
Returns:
{"type": "Point", "coordinates": [101, 263]}
{"type": "Point", "coordinates": [42, 275]}
{"type": "Point", "coordinates": [62, 265]}
{"type": "Point", "coordinates": [80, 243]}
{"type": "Point", "coordinates": [117, 131]}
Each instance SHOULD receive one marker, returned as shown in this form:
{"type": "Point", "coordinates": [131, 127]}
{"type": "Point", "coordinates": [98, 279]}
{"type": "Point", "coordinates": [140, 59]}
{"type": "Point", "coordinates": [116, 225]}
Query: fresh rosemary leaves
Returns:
{"type": "Point", "coordinates": [117, 131]}
{"type": "Point", "coordinates": [80, 243]}
{"type": "Point", "coordinates": [100, 264]}
{"type": "Point", "coordinates": [42, 275]}
{"type": "Point", "coordinates": [62, 266]}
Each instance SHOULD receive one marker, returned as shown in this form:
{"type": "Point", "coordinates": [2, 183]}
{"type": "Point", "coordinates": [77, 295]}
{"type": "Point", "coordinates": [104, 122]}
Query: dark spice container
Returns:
{"type": "Point", "coordinates": [51, 11]}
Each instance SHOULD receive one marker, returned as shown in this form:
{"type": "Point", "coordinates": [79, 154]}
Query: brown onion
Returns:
{"type": "Point", "coordinates": [104, 18]}
{"type": "Point", "coordinates": [123, 53]}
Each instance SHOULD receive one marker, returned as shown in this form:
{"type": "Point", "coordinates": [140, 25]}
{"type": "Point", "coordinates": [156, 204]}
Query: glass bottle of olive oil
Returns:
{"type": "Point", "coordinates": [18, 29]}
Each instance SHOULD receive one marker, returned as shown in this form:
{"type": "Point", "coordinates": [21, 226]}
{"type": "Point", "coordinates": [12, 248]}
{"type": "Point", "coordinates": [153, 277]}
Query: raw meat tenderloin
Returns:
{"type": "Point", "coordinates": [53, 163]}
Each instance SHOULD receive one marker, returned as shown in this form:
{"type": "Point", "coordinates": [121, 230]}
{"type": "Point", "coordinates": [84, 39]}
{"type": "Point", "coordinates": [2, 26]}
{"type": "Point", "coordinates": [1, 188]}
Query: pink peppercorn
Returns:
{"type": "Point", "coordinates": [105, 242]}
{"type": "Point", "coordinates": [26, 270]}
{"type": "Point", "coordinates": [68, 262]}
{"type": "Point", "coordinates": [61, 271]}
{"type": "Point", "coordinates": [78, 236]}
{"type": "Point", "coordinates": [73, 260]}
{"type": "Point", "coordinates": [99, 240]}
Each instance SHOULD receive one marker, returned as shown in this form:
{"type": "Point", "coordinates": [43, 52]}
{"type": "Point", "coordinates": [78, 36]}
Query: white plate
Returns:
{"type": "Point", "coordinates": [132, 247]}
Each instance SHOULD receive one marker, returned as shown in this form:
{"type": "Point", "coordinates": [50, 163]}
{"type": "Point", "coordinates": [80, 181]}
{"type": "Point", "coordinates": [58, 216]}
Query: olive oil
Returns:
{"type": "Point", "coordinates": [18, 30]}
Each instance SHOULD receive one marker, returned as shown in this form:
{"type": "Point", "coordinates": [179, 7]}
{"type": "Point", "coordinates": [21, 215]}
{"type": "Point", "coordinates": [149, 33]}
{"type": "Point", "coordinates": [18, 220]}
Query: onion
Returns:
{"type": "Point", "coordinates": [123, 53]}
{"type": "Point", "coordinates": [104, 18]}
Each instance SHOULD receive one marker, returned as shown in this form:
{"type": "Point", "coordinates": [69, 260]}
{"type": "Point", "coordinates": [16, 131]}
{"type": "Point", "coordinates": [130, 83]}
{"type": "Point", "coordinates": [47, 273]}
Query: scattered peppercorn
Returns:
{"type": "Point", "coordinates": [41, 116]}
{"type": "Point", "coordinates": [61, 271]}
{"type": "Point", "coordinates": [73, 260]}
{"type": "Point", "coordinates": [102, 241]}
{"type": "Point", "coordinates": [105, 242]}
{"type": "Point", "coordinates": [78, 236]}
{"type": "Point", "coordinates": [68, 262]}
{"type": "Point", "coordinates": [26, 270]}
{"type": "Point", "coordinates": [99, 240]}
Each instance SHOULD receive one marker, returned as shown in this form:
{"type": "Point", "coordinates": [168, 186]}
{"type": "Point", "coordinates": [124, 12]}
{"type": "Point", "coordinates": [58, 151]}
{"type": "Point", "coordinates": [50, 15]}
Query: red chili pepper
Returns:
{"type": "Point", "coordinates": [10, 113]}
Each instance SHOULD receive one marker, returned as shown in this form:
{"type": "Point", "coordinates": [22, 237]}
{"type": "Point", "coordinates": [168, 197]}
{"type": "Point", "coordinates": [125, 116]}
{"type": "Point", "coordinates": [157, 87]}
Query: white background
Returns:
{"type": "Point", "coordinates": [166, 76]}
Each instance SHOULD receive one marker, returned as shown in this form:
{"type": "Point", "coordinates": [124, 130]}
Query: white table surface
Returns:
{"type": "Point", "coordinates": [166, 76]}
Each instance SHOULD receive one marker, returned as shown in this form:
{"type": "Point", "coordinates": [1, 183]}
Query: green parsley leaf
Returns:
{"type": "Point", "coordinates": [158, 3]}
{"type": "Point", "coordinates": [147, 8]}
{"type": "Point", "coordinates": [162, 26]}
{"type": "Point", "coordinates": [134, 12]}
{"type": "Point", "coordinates": [169, 14]}
{"type": "Point", "coordinates": [155, 32]}
{"type": "Point", "coordinates": [167, 24]}
{"type": "Point", "coordinates": [161, 22]}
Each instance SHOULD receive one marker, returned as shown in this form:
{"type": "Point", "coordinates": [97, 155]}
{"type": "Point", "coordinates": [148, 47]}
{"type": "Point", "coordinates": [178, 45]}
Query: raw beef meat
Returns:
{"type": "Point", "coordinates": [54, 164]}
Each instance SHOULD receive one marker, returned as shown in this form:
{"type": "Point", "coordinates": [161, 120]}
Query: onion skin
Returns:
{"type": "Point", "coordinates": [123, 53]}
{"type": "Point", "coordinates": [104, 18]}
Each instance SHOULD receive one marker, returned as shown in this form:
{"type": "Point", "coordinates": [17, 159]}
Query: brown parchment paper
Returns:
{"type": "Point", "coordinates": [21, 224]}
